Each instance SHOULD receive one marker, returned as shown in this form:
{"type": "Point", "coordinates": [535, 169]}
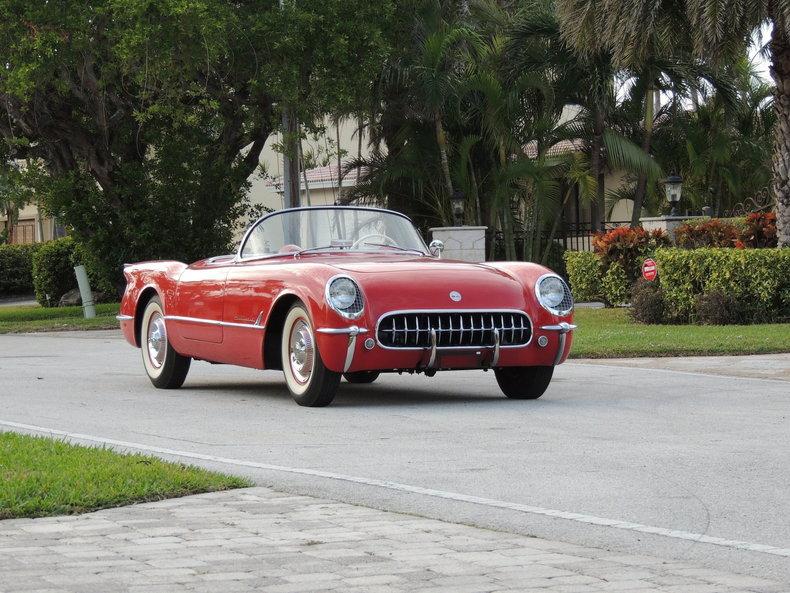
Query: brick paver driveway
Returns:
{"type": "Point", "coordinates": [261, 540]}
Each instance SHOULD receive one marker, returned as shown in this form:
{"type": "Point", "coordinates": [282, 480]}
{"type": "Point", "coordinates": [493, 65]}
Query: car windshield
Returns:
{"type": "Point", "coordinates": [332, 229]}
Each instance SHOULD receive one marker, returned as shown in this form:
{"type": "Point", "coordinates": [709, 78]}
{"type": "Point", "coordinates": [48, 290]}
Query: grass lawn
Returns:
{"type": "Point", "coordinates": [41, 477]}
{"type": "Point", "coordinates": [35, 319]}
{"type": "Point", "coordinates": [610, 333]}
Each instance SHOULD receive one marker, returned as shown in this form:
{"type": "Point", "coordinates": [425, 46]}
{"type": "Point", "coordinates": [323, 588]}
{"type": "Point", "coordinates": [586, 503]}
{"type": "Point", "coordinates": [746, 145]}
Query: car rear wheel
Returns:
{"type": "Point", "coordinates": [166, 368]}
{"type": "Point", "coordinates": [362, 377]}
{"type": "Point", "coordinates": [523, 382]}
{"type": "Point", "coordinates": [309, 381]}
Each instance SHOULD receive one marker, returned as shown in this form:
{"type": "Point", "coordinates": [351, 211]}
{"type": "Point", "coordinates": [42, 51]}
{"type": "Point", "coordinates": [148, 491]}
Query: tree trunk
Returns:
{"type": "Point", "coordinates": [441, 140]}
{"type": "Point", "coordinates": [641, 182]}
{"type": "Point", "coordinates": [780, 71]}
{"type": "Point", "coordinates": [596, 165]}
{"type": "Point", "coordinates": [360, 127]}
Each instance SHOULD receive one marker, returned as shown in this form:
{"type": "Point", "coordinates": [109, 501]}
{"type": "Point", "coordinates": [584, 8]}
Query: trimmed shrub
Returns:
{"type": "Point", "coordinates": [758, 280]}
{"type": "Point", "coordinates": [713, 232]}
{"type": "Point", "coordinates": [584, 275]}
{"type": "Point", "coordinates": [717, 308]}
{"type": "Point", "coordinates": [647, 302]}
{"type": "Point", "coordinates": [16, 269]}
{"type": "Point", "coordinates": [615, 285]}
{"type": "Point", "coordinates": [97, 275]}
{"type": "Point", "coordinates": [628, 247]}
{"type": "Point", "coordinates": [53, 271]}
{"type": "Point", "coordinates": [759, 230]}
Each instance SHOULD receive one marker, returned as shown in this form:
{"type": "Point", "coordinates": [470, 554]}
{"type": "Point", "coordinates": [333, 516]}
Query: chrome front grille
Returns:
{"type": "Point", "coordinates": [454, 329]}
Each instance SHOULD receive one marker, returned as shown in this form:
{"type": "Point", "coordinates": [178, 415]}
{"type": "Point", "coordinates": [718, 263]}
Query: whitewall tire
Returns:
{"type": "Point", "coordinates": [166, 368]}
{"type": "Point", "coordinates": [309, 381]}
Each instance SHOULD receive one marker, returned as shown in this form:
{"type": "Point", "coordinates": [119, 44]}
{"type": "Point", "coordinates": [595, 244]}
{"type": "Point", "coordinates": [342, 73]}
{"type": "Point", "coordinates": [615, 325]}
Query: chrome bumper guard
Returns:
{"type": "Point", "coordinates": [563, 328]}
{"type": "Point", "coordinates": [352, 333]}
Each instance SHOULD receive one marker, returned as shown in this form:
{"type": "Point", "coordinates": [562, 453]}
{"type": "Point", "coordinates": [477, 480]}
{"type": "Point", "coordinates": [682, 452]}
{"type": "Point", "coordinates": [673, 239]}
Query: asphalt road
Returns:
{"type": "Point", "coordinates": [611, 451]}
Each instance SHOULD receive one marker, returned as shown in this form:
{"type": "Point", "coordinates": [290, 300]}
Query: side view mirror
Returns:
{"type": "Point", "coordinates": [436, 247]}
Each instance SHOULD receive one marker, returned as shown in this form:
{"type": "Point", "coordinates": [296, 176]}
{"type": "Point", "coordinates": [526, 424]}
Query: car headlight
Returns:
{"type": "Point", "coordinates": [344, 296]}
{"type": "Point", "coordinates": [554, 295]}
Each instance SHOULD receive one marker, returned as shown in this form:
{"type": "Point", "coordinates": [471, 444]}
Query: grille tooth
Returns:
{"type": "Point", "coordinates": [453, 329]}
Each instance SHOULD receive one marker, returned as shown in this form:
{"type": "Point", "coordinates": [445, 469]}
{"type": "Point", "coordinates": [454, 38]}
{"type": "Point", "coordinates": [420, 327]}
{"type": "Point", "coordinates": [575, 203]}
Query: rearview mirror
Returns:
{"type": "Point", "coordinates": [436, 247]}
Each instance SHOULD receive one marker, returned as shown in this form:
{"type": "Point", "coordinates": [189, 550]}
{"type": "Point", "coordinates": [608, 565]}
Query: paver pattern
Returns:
{"type": "Point", "coordinates": [258, 539]}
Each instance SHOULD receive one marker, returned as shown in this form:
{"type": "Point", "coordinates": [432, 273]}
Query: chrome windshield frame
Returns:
{"type": "Point", "coordinates": [239, 258]}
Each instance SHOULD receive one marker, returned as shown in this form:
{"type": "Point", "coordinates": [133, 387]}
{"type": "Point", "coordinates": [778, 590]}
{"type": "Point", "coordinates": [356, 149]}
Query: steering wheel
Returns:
{"type": "Point", "coordinates": [384, 239]}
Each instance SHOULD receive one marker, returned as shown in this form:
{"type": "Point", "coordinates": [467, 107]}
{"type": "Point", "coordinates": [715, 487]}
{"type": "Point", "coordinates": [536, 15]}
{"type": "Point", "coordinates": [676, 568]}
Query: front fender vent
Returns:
{"type": "Point", "coordinates": [454, 329]}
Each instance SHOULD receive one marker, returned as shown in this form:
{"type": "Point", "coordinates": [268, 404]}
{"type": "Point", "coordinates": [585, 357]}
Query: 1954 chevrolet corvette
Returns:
{"type": "Point", "coordinates": [328, 292]}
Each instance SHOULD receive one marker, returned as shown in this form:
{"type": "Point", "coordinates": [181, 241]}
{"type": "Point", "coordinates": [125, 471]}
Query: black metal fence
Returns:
{"type": "Point", "coordinates": [569, 237]}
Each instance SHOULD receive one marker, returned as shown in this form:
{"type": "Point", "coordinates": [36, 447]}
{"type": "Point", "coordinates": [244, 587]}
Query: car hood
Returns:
{"type": "Point", "coordinates": [423, 283]}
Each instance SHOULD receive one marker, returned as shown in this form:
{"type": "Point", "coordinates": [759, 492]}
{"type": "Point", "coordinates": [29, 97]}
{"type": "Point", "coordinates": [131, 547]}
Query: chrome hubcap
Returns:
{"type": "Point", "coordinates": [157, 340]}
{"type": "Point", "coordinates": [302, 351]}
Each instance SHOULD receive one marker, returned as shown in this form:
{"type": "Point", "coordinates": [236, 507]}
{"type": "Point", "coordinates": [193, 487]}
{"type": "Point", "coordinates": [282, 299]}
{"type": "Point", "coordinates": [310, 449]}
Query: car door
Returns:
{"type": "Point", "coordinates": [250, 290]}
{"type": "Point", "coordinates": [199, 301]}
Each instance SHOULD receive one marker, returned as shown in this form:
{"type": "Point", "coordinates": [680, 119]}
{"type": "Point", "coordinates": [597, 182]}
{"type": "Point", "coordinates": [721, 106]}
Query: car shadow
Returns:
{"type": "Point", "coordinates": [348, 395]}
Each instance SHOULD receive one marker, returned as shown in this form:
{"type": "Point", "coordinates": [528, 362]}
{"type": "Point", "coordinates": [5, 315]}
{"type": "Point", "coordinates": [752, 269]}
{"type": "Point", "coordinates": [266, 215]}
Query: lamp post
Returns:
{"type": "Point", "coordinates": [673, 186]}
{"type": "Point", "coordinates": [457, 202]}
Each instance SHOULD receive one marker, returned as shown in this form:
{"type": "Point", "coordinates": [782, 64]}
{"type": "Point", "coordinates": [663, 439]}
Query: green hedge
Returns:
{"type": "Point", "coordinates": [758, 280]}
{"type": "Point", "coordinates": [16, 269]}
{"type": "Point", "coordinates": [53, 271]}
{"type": "Point", "coordinates": [584, 275]}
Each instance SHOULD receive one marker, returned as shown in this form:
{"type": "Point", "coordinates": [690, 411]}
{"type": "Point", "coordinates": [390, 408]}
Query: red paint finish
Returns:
{"type": "Point", "coordinates": [237, 298]}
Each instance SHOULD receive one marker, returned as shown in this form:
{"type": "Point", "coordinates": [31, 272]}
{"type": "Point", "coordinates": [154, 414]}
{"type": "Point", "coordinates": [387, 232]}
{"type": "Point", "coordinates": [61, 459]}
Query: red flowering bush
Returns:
{"type": "Point", "coordinates": [759, 230]}
{"type": "Point", "coordinates": [710, 233]}
{"type": "Point", "coordinates": [628, 247]}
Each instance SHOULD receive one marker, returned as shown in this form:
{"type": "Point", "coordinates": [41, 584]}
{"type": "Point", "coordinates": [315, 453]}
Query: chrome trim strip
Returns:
{"type": "Point", "coordinates": [561, 347]}
{"type": "Point", "coordinates": [560, 327]}
{"type": "Point", "coordinates": [124, 317]}
{"type": "Point", "coordinates": [212, 322]}
{"type": "Point", "coordinates": [495, 311]}
{"type": "Point", "coordinates": [557, 312]}
{"type": "Point", "coordinates": [352, 331]}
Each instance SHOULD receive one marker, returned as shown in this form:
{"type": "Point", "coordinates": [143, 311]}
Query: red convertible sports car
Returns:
{"type": "Point", "coordinates": [328, 292]}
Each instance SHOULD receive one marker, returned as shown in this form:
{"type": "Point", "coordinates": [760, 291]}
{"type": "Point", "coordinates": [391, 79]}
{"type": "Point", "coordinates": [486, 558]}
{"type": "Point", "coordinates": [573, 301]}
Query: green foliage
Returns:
{"type": "Point", "coordinates": [584, 275]}
{"type": "Point", "coordinates": [143, 121]}
{"type": "Point", "coordinates": [615, 284]}
{"type": "Point", "coordinates": [53, 272]}
{"type": "Point", "coordinates": [706, 233]}
{"type": "Point", "coordinates": [628, 247]}
{"type": "Point", "coordinates": [16, 269]}
{"type": "Point", "coordinates": [44, 477]}
{"type": "Point", "coordinates": [758, 280]}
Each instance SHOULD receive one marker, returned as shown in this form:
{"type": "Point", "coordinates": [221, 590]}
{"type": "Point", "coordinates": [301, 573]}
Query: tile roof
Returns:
{"type": "Point", "coordinates": [561, 147]}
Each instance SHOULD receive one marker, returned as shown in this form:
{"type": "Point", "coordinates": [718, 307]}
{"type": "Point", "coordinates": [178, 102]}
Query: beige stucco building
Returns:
{"type": "Point", "coordinates": [31, 226]}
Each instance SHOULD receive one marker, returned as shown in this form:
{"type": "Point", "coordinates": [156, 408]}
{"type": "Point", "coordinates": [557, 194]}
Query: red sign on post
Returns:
{"type": "Point", "coordinates": [649, 270]}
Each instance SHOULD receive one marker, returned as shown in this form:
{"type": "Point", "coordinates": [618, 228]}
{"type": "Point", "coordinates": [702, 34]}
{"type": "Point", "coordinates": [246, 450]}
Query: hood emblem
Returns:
{"type": "Point", "coordinates": [455, 296]}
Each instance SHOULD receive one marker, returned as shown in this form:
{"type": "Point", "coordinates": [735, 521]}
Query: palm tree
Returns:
{"type": "Point", "coordinates": [713, 28]}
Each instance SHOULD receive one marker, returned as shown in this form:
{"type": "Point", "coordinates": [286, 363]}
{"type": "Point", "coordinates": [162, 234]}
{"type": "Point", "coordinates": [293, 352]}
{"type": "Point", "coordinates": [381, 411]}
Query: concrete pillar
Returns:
{"type": "Point", "coordinates": [665, 223]}
{"type": "Point", "coordinates": [466, 243]}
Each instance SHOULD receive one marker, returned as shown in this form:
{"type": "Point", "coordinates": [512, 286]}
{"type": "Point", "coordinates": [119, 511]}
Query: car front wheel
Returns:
{"type": "Point", "coordinates": [309, 381]}
{"type": "Point", "coordinates": [523, 382]}
{"type": "Point", "coordinates": [166, 368]}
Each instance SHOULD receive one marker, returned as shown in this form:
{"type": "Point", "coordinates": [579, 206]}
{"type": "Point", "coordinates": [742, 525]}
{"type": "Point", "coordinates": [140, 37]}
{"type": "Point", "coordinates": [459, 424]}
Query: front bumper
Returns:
{"type": "Point", "coordinates": [355, 348]}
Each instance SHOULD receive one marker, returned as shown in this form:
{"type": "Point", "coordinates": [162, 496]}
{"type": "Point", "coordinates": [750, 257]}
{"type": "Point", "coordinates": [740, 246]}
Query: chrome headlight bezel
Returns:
{"type": "Point", "coordinates": [355, 309]}
{"type": "Point", "coordinates": [564, 306]}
